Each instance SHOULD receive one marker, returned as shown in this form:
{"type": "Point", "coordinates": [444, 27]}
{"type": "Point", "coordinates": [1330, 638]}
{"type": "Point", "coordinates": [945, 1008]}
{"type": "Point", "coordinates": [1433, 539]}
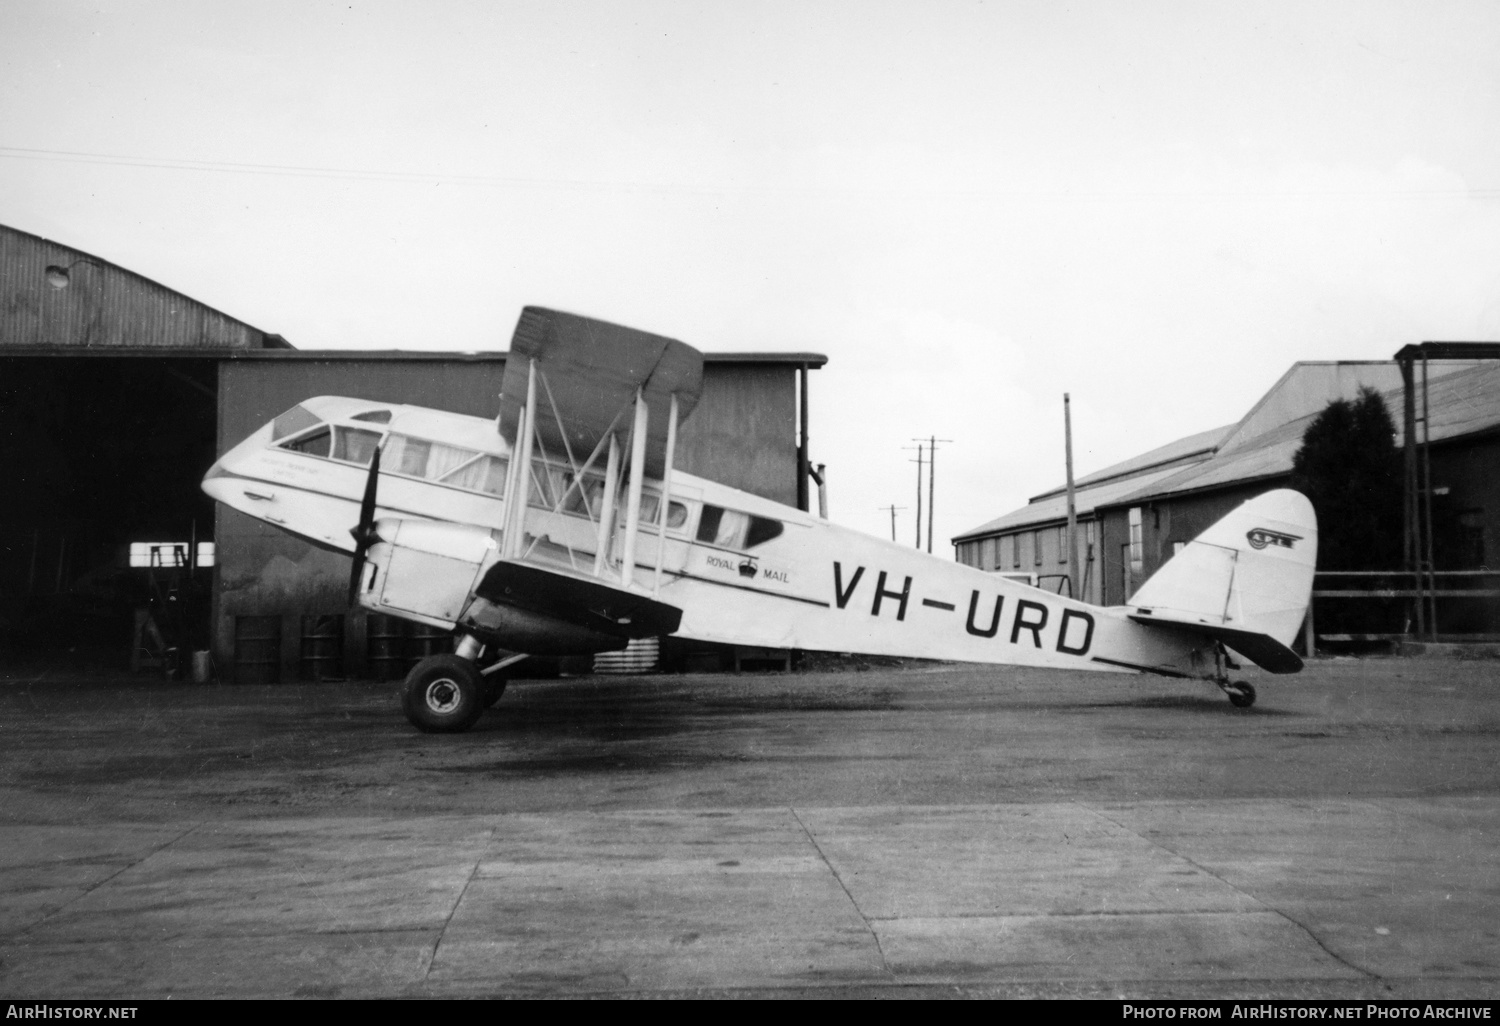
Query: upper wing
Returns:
{"type": "Point", "coordinates": [590, 370]}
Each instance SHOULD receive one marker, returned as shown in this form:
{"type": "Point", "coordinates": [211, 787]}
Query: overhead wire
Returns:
{"type": "Point", "coordinates": [428, 177]}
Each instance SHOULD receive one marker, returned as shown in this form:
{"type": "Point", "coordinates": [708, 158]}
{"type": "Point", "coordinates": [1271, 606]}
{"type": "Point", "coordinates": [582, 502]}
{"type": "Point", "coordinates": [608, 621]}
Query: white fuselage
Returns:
{"type": "Point", "coordinates": [743, 570]}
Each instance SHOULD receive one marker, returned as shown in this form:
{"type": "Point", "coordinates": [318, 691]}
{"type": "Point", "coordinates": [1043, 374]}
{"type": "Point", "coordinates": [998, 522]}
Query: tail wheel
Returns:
{"type": "Point", "coordinates": [1241, 695]}
{"type": "Point", "coordinates": [443, 694]}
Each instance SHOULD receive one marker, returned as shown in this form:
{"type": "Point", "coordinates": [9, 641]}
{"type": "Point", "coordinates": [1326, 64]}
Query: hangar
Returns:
{"type": "Point", "coordinates": [1135, 515]}
{"type": "Point", "coordinates": [116, 395]}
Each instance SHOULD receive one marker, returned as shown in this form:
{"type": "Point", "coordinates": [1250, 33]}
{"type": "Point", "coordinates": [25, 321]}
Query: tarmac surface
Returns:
{"type": "Point", "coordinates": [921, 830]}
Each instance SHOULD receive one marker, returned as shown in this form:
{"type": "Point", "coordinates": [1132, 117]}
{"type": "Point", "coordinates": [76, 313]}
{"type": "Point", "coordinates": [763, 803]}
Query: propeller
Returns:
{"type": "Point", "coordinates": [364, 532]}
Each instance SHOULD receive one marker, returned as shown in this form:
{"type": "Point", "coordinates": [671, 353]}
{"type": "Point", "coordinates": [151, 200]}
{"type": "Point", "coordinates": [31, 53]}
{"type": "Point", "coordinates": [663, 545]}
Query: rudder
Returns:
{"type": "Point", "coordinates": [1251, 571]}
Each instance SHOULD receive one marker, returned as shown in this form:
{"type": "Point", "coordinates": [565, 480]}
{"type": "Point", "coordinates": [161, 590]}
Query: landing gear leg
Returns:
{"type": "Point", "coordinates": [1241, 694]}
{"type": "Point", "coordinates": [494, 677]}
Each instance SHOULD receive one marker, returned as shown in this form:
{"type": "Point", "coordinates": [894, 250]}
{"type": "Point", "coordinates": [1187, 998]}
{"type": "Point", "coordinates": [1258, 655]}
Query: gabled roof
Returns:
{"type": "Point", "coordinates": [1054, 507]}
{"type": "Point", "coordinates": [1104, 486]}
{"type": "Point", "coordinates": [1463, 399]}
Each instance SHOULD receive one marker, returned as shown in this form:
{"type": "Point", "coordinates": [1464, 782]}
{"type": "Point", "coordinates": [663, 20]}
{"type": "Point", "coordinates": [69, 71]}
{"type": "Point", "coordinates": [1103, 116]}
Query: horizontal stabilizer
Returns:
{"type": "Point", "coordinates": [590, 371]}
{"type": "Point", "coordinates": [1261, 649]}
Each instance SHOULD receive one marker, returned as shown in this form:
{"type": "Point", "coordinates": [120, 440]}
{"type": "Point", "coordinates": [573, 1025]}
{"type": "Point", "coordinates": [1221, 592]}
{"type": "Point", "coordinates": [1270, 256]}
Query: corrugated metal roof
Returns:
{"type": "Point", "coordinates": [56, 297]}
{"type": "Point", "coordinates": [1463, 400]}
{"type": "Point", "coordinates": [1055, 507]}
{"type": "Point", "coordinates": [1172, 454]}
{"type": "Point", "coordinates": [1306, 388]}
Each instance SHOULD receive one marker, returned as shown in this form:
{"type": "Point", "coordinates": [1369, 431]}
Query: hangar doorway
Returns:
{"type": "Point", "coordinates": [102, 453]}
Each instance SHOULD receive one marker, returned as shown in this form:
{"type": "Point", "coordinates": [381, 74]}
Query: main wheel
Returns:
{"type": "Point", "coordinates": [443, 694]}
{"type": "Point", "coordinates": [494, 687]}
{"type": "Point", "coordinates": [1241, 695]}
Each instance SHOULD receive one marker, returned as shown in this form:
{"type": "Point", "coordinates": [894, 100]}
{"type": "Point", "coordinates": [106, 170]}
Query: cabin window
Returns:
{"type": "Point", "coordinates": [292, 421]}
{"type": "Point", "coordinates": [489, 472]}
{"type": "Point", "coordinates": [355, 445]}
{"type": "Point", "coordinates": [548, 483]}
{"type": "Point", "coordinates": [651, 506]}
{"type": "Point", "coordinates": [477, 473]}
{"type": "Point", "coordinates": [405, 455]}
{"type": "Point", "coordinates": [450, 464]}
{"type": "Point", "coordinates": [314, 443]}
{"type": "Point", "coordinates": [374, 416]}
{"type": "Point", "coordinates": [587, 499]}
{"type": "Point", "coordinates": [732, 529]}
{"type": "Point", "coordinates": [445, 464]}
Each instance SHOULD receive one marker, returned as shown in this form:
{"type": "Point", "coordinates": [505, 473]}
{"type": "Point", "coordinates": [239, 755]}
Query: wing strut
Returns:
{"type": "Point", "coordinates": [664, 508]}
{"type": "Point", "coordinates": [637, 475]}
{"type": "Point", "coordinates": [607, 506]}
{"type": "Point", "coordinates": [520, 492]}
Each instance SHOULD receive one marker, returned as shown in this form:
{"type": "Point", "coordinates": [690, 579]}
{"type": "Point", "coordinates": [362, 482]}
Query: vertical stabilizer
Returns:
{"type": "Point", "coordinates": [1250, 572]}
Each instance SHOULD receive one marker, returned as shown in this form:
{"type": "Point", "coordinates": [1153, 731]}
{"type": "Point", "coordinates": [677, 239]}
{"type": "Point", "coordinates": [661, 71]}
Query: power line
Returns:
{"type": "Point", "coordinates": [346, 174]}
{"type": "Point", "coordinates": [422, 178]}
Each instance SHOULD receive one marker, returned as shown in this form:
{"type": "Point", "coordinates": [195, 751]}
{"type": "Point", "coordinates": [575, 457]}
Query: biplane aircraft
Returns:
{"type": "Point", "coordinates": [563, 528]}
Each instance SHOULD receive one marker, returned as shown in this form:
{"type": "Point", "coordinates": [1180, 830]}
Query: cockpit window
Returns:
{"type": "Point", "coordinates": [374, 416]}
{"type": "Point", "coordinates": [314, 443]}
{"type": "Point", "coordinates": [292, 421]}
{"type": "Point", "coordinates": [355, 445]}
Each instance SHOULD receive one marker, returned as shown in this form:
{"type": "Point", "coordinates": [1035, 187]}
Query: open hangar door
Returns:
{"type": "Point", "coordinates": [101, 455]}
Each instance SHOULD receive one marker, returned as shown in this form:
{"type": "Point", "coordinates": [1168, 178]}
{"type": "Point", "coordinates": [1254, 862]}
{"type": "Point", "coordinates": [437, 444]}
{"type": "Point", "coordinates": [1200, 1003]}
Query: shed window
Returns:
{"type": "Point", "coordinates": [1137, 545]}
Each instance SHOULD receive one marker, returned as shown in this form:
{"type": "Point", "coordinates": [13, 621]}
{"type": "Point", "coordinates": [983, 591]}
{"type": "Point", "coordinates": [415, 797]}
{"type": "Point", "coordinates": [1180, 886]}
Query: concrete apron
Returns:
{"type": "Point", "coordinates": [1274, 895]}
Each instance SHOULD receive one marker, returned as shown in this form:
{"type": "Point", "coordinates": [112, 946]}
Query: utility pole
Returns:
{"type": "Point", "coordinates": [893, 510]}
{"type": "Point", "coordinates": [918, 461]}
{"type": "Point", "coordinates": [932, 444]}
{"type": "Point", "coordinates": [1073, 568]}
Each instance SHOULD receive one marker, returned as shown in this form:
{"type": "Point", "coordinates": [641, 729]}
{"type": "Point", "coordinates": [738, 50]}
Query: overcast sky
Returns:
{"type": "Point", "coordinates": [971, 208]}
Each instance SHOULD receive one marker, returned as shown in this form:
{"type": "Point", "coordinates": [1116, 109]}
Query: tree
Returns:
{"type": "Point", "coordinates": [1350, 468]}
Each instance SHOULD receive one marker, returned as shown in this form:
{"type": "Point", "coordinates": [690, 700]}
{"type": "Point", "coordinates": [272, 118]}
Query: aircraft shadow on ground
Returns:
{"type": "Point", "coordinates": [1185, 703]}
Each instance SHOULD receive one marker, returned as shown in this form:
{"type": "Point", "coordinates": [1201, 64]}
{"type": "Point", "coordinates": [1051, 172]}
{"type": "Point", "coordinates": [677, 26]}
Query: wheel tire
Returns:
{"type": "Point", "coordinates": [443, 694]}
{"type": "Point", "coordinates": [494, 687]}
{"type": "Point", "coordinates": [1241, 695]}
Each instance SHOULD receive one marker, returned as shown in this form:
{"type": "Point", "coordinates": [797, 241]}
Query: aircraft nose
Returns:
{"type": "Point", "coordinates": [214, 484]}
{"type": "Point", "coordinates": [234, 461]}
